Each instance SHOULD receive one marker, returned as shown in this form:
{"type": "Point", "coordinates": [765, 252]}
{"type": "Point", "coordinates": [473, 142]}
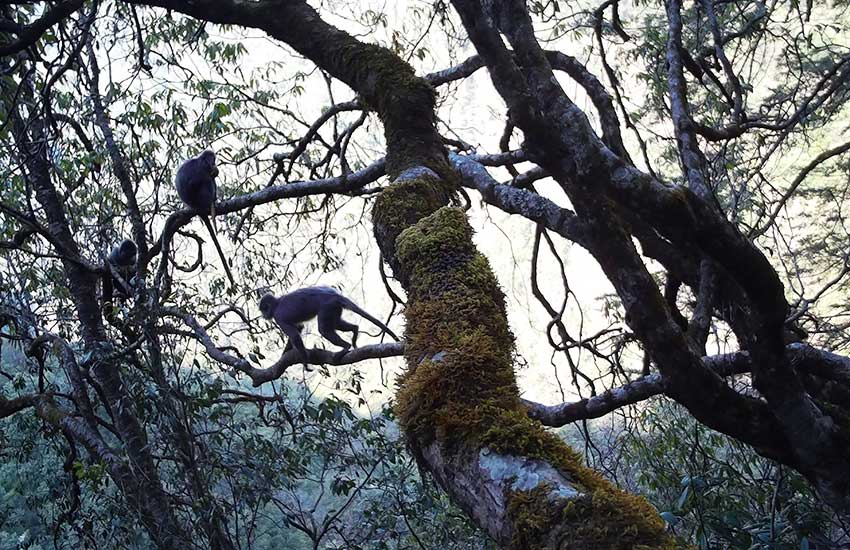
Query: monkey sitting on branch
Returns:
{"type": "Point", "coordinates": [195, 182]}
{"type": "Point", "coordinates": [291, 310]}
{"type": "Point", "coordinates": [118, 269]}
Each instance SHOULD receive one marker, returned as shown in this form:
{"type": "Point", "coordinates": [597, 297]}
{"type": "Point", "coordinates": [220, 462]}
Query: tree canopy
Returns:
{"type": "Point", "coordinates": [695, 153]}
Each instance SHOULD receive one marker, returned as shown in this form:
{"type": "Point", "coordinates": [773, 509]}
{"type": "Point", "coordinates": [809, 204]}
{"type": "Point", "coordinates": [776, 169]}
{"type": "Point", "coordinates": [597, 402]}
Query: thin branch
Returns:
{"type": "Point", "coordinates": [260, 376]}
{"type": "Point", "coordinates": [826, 155]}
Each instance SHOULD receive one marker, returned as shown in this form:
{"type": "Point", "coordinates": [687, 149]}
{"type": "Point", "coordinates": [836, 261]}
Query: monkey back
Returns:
{"type": "Point", "coordinates": [196, 185]}
{"type": "Point", "coordinates": [303, 304]}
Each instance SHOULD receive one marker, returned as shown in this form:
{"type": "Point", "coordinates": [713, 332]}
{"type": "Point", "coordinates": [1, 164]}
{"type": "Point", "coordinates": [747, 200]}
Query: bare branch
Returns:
{"type": "Point", "coordinates": [803, 357]}
{"type": "Point", "coordinates": [801, 177]}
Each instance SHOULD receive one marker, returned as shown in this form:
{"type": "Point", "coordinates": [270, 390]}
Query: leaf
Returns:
{"type": "Point", "coordinates": [683, 498]}
{"type": "Point", "coordinates": [671, 518]}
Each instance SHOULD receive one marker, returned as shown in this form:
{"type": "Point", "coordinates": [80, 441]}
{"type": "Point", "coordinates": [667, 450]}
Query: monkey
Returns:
{"type": "Point", "coordinates": [195, 182]}
{"type": "Point", "coordinates": [122, 259]}
{"type": "Point", "coordinates": [291, 310]}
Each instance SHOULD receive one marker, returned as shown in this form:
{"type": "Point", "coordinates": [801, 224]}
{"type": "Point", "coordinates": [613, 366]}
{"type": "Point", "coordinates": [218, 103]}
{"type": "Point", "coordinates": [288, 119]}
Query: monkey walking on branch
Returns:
{"type": "Point", "coordinates": [325, 303]}
{"type": "Point", "coordinates": [196, 186]}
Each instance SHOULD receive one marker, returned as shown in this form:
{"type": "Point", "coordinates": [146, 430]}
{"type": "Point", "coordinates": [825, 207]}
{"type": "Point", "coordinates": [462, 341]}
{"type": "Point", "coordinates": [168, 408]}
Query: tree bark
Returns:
{"type": "Point", "coordinates": [787, 424]}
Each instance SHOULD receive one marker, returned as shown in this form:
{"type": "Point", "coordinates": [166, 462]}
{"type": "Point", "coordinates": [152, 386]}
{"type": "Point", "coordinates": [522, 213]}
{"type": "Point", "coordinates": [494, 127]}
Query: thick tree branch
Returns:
{"type": "Point", "coordinates": [29, 35]}
{"type": "Point", "coordinates": [8, 407]}
{"type": "Point", "coordinates": [689, 151]}
{"type": "Point", "coordinates": [628, 394]}
{"type": "Point", "coordinates": [803, 357]}
{"type": "Point", "coordinates": [347, 183]}
{"type": "Point", "coordinates": [562, 141]}
{"type": "Point", "coordinates": [518, 201]}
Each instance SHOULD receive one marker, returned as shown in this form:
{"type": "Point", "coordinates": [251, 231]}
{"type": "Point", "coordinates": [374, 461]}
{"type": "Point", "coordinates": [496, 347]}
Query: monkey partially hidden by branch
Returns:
{"type": "Point", "coordinates": [291, 310]}
{"type": "Point", "coordinates": [120, 262]}
{"type": "Point", "coordinates": [195, 182]}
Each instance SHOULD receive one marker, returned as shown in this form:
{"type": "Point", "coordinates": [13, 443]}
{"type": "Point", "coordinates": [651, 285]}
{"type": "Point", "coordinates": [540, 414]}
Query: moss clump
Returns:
{"type": "Point", "coordinates": [50, 412]}
{"type": "Point", "coordinates": [405, 103]}
{"type": "Point", "coordinates": [532, 514]}
{"type": "Point", "coordinates": [405, 203]}
{"type": "Point", "coordinates": [450, 398]}
{"type": "Point", "coordinates": [385, 82]}
{"type": "Point", "coordinates": [603, 520]}
{"type": "Point", "coordinates": [606, 517]}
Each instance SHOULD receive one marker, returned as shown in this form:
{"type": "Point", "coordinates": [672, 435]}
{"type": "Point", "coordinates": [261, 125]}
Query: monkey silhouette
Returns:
{"type": "Point", "coordinates": [195, 182]}
{"type": "Point", "coordinates": [123, 259]}
{"type": "Point", "coordinates": [291, 310]}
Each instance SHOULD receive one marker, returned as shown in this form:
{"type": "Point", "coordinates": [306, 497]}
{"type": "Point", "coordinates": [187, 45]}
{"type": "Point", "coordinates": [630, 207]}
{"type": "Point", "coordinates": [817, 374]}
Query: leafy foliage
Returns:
{"type": "Point", "coordinates": [717, 493]}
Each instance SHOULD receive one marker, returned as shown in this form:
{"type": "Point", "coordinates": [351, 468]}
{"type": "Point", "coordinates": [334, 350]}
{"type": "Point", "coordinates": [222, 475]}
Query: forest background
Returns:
{"type": "Point", "coordinates": [619, 226]}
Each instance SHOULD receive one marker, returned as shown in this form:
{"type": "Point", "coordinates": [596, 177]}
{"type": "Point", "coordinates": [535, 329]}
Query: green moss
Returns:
{"type": "Point", "coordinates": [603, 520]}
{"type": "Point", "coordinates": [370, 65]}
{"type": "Point", "coordinates": [532, 515]}
{"type": "Point", "coordinates": [405, 103]}
{"type": "Point", "coordinates": [400, 206]}
{"type": "Point", "coordinates": [606, 517]}
{"type": "Point", "coordinates": [403, 204]}
{"type": "Point", "coordinates": [457, 310]}
{"type": "Point", "coordinates": [50, 412]}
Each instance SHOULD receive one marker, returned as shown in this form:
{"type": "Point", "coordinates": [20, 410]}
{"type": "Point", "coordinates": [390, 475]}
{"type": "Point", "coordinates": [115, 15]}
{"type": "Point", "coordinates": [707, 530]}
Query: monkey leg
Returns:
{"type": "Point", "coordinates": [328, 318]}
{"type": "Point", "coordinates": [288, 345]}
{"type": "Point", "coordinates": [293, 332]}
{"type": "Point", "coordinates": [341, 324]}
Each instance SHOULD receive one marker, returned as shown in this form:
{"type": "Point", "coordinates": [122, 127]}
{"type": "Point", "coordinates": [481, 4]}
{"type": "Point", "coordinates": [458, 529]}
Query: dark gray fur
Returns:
{"type": "Point", "coordinates": [123, 259]}
{"type": "Point", "coordinates": [195, 182]}
{"type": "Point", "coordinates": [291, 310]}
{"type": "Point", "coordinates": [124, 254]}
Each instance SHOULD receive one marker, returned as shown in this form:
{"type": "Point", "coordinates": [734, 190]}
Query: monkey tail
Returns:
{"type": "Point", "coordinates": [348, 304]}
{"type": "Point", "coordinates": [218, 248]}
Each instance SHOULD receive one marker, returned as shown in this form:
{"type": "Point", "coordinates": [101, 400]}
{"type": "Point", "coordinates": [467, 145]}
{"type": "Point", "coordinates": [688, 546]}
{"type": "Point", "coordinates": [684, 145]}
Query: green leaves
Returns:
{"type": "Point", "coordinates": [716, 492]}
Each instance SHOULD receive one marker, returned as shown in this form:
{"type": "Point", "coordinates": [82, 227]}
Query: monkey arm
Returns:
{"type": "Point", "coordinates": [293, 332]}
{"type": "Point", "coordinates": [117, 276]}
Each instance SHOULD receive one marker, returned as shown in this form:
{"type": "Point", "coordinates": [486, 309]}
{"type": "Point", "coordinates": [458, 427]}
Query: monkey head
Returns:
{"type": "Point", "coordinates": [267, 305]}
{"type": "Point", "coordinates": [124, 254]}
{"type": "Point", "coordinates": [207, 158]}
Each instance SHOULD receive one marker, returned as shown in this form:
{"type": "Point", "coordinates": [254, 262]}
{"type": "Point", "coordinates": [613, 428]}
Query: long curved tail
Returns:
{"type": "Point", "coordinates": [348, 304]}
{"type": "Point", "coordinates": [218, 248]}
